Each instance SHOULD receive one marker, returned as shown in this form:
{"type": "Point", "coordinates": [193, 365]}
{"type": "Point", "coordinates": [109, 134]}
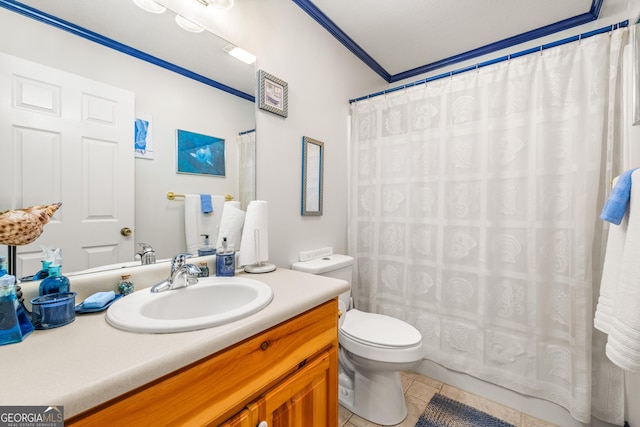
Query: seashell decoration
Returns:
{"type": "Point", "coordinates": [23, 226]}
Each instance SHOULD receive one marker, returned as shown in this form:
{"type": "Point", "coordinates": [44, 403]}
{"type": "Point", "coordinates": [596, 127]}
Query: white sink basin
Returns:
{"type": "Point", "coordinates": [211, 302]}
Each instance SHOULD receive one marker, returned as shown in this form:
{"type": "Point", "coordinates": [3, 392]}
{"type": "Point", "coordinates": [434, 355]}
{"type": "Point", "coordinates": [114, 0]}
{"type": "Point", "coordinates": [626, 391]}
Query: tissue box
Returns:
{"type": "Point", "coordinates": [53, 310]}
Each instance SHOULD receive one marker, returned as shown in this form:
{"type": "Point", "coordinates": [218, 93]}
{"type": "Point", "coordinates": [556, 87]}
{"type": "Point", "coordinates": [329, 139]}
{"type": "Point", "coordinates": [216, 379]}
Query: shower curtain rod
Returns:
{"type": "Point", "coordinates": [499, 59]}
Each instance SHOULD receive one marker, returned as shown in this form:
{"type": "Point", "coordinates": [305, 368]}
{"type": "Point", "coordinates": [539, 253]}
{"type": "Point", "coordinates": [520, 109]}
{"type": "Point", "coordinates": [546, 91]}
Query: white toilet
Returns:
{"type": "Point", "coordinates": [374, 348]}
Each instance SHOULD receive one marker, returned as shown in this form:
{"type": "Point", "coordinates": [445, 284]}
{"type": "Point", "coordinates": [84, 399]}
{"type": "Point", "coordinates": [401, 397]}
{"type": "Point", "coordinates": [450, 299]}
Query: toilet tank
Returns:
{"type": "Point", "coordinates": [336, 266]}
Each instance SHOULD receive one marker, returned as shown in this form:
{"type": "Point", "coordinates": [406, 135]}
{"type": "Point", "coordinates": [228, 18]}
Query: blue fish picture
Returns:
{"type": "Point", "coordinates": [200, 154]}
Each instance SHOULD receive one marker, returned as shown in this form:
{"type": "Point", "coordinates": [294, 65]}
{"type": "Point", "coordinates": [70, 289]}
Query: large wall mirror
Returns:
{"type": "Point", "coordinates": [183, 80]}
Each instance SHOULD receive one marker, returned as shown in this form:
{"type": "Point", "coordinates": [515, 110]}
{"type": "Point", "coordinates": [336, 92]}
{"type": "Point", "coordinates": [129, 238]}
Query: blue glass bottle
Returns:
{"type": "Point", "coordinates": [3, 265]}
{"type": "Point", "coordinates": [44, 273]}
{"type": "Point", "coordinates": [125, 286]}
{"type": "Point", "coordinates": [9, 326]}
{"type": "Point", "coordinates": [55, 283]}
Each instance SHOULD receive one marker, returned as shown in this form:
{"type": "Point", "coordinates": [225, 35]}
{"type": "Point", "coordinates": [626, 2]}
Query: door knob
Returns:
{"type": "Point", "coordinates": [125, 231]}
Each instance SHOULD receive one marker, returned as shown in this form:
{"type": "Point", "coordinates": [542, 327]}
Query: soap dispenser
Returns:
{"type": "Point", "coordinates": [56, 282]}
{"type": "Point", "coordinates": [47, 259]}
{"type": "Point", "coordinates": [206, 249]}
{"type": "Point", "coordinates": [225, 260]}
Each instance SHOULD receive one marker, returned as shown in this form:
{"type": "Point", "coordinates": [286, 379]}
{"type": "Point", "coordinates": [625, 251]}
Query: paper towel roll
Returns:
{"type": "Point", "coordinates": [231, 224]}
{"type": "Point", "coordinates": [256, 219]}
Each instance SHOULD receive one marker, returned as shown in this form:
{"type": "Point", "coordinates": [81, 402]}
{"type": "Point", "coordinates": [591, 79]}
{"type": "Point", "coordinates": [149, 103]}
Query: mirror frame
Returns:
{"type": "Point", "coordinates": [312, 176]}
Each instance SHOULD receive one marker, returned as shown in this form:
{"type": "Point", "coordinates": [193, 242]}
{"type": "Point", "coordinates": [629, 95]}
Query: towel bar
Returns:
{"type": "Point", "coordinates": [172, 196]}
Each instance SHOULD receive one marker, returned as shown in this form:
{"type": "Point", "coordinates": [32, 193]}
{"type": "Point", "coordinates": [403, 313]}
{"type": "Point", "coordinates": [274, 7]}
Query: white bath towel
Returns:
{"type": "Point", "coordinates": [197, 223]}
{"type": "Point", "coordinates": [618, 310]}
{"type": "Point", "coordinates": [611, 274]}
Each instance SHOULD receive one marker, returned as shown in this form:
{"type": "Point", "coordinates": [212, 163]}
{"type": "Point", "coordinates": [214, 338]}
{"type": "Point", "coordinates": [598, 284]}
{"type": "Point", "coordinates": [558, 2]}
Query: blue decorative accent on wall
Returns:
{"type": "Point", "coordinates": [38, 15]}
{"type": "Point", "coordinates": [334, 30]}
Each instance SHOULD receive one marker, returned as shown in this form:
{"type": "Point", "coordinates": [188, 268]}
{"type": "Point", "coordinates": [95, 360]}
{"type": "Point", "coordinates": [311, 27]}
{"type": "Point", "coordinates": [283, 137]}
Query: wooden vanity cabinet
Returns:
{"type": "Point", "coordinates": [299, 400]}
{"type": "Point", "coordinates": [286, 376]}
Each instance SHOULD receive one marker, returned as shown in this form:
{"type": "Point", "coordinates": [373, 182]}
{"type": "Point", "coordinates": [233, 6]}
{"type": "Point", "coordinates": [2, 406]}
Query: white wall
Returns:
{"type": "Point", "coordinates": [175, 102]}
{"type": "Point", "coordinates": [322, 76]}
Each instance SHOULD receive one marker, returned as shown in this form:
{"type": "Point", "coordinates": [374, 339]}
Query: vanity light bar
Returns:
{"type": "Point", "coordinates": [241, 54]}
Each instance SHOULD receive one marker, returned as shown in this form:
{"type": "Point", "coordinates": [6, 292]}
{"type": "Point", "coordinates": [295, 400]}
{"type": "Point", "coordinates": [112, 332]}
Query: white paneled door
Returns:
{"type": "Point", "coordinates": [65, 138]}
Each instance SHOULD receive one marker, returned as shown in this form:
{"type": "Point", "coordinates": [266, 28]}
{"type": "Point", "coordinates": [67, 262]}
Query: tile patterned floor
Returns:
{"type": "Point", "coordinates": [418, 390]}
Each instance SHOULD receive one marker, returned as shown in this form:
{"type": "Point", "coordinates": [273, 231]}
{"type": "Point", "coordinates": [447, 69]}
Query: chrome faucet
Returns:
{"type": "Point", "coordinates": [146, 253]}
{"type": "Point", "coordinates": [182, 275]}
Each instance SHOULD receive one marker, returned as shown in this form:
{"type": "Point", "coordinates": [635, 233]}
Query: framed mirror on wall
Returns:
{"type": "Point", "coordinates": [312, 174]}
{"type": "Point", "coordinates": [138, 55]}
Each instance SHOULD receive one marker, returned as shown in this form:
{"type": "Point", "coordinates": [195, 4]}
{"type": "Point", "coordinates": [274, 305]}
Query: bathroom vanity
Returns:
{"type": "Point", "coordinates": [279, 365]}
{"type": "Point", "coordinates": [288, 373]}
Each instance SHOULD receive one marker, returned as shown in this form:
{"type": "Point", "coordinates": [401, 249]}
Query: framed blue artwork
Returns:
{"type": "Point", "coordinates": [143, 136]}
{"type": "Point", "coordinates": [200, 154]}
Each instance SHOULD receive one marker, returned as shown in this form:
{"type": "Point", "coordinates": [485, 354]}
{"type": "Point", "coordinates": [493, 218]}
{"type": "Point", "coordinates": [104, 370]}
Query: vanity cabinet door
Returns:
{"type": "Point", "coordinates": [240, 420]}
{"type": "Point", "coordinates": [307, 398]}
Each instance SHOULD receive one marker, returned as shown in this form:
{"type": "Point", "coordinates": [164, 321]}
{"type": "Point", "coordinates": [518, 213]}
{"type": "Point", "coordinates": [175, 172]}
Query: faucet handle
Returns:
{"type": "Point", "coordinates": [144, 248]}
{"type": "Point", "coordinates": [178, 261]}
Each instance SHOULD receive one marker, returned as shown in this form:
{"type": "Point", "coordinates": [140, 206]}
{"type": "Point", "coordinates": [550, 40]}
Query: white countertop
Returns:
{"type": "Point", "coordinates": [88, 362]}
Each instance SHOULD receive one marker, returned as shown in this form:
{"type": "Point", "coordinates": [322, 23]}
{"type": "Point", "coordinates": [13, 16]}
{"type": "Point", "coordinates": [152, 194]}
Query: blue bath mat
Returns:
{"type": "Point", "coordinates": [444, 412]}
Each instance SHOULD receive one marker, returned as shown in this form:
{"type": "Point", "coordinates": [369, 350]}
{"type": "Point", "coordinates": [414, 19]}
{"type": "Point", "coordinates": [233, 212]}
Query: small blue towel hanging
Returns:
{"type": "Point", "coordinates": [205, 203]}
{"type": "Point", "coordinates": [616, 205]}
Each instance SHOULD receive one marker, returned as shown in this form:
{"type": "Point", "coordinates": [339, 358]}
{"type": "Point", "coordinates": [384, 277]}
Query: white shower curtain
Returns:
{"type": "Point", "coordinates": [246, 168]}
{"type": "Point", "coordinates": [473, 215]}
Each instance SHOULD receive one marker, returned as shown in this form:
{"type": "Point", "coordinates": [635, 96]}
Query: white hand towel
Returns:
{"type": "Point", "coordinates": [623, 315]}
{"type": "Point", "coordinates": [197, 223]}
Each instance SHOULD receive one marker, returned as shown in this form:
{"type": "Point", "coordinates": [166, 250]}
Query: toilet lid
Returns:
{"type": "Point", "coordinates": [379, 329]}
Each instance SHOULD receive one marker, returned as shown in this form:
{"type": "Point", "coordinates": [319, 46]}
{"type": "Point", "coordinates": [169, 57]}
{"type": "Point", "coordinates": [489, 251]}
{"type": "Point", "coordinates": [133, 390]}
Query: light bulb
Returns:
{"type": "Point", "coordinates": [150, 6]}
{"type": "Point", "coordinates": [185, 24]}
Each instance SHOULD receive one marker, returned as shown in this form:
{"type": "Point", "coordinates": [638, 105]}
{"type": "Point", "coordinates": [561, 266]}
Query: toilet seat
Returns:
{"type": "Point", "coordinates": [380, 338]}
{"type": "Point", "coordinates": [379, 330]}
